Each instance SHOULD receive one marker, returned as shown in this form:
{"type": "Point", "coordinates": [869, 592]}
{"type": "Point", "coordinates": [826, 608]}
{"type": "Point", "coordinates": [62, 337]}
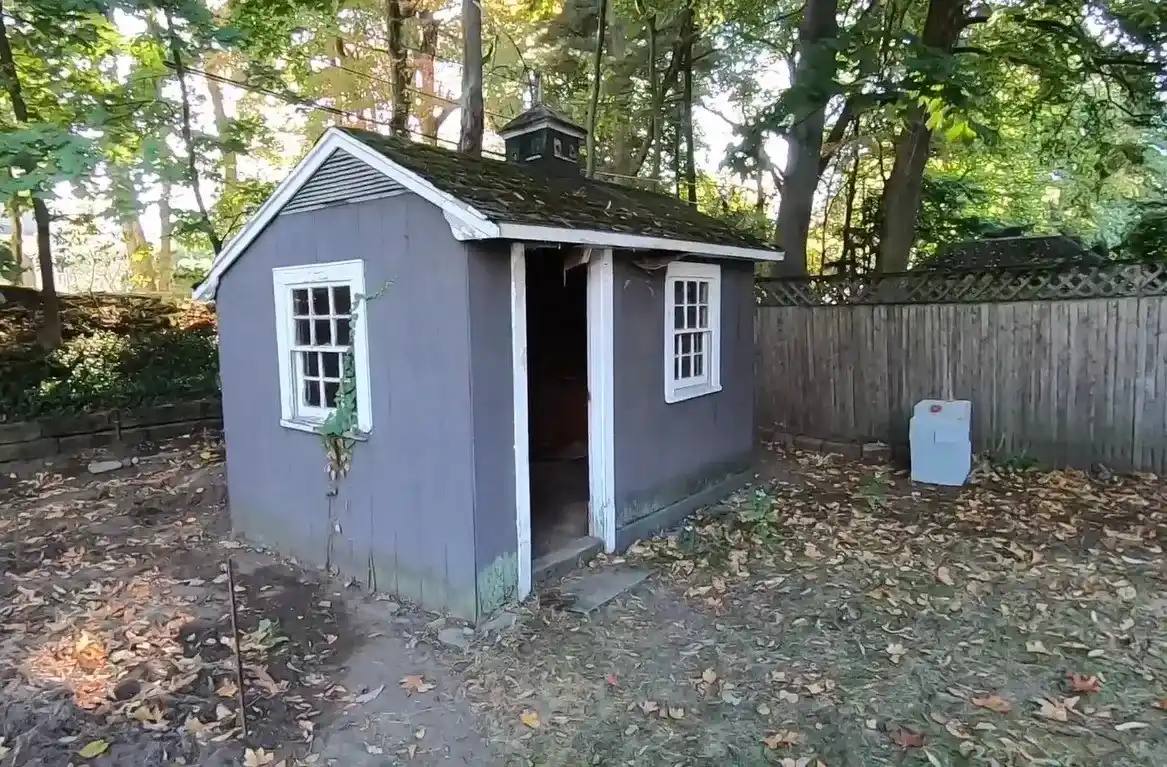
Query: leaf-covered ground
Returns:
{"type": "Point", "coordinates": [837, 614]}
{"type": "Point", "coordinates": [115, 633]}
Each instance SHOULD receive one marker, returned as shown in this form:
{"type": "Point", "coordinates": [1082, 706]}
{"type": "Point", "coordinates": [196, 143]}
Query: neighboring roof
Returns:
{"type": "Point", "coordinates": [1005, 252]}
{"type": "Point", "coordinates": [538, 116]}
{"type": "Point", "coordinates": [486, 199]}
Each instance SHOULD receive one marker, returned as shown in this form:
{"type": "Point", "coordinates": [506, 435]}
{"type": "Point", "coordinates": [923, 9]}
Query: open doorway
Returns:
{"type": "Point", "coordinates": [557, 389]}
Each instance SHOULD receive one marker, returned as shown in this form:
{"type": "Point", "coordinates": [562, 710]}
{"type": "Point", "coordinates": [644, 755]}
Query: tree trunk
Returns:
{"type": "Point", "coordinates": [687, 126]}
{"type": "Point", "coordinates": [398, 69]}
{"type": "Point", "coordinates": [815, 67]}
{"type": "Point", "coordinates": [900, 203]}
{"type": "Point", "coordinates": [21, 259]}
{"type": "Point", "coordinates": [667, 82]}
{"type": "Point", "coordinates": [594, 101]}
{"type": "Point", "coordinates": [433, 113]}
{"type": "Point", "coordinates": [50, 330]}
{"type": "Point", "coordinates": [230, 158]}
{"type": "Point", "coordinates": [164, 266]}
{"type": "Point", "coordinates": [655, 117]}
{"type": "Point", "coordinates": [205, 222]}
{"type": "Point", "coordinates": [473, 117]}
{"type": "Point", "coordinates": [139, 254]}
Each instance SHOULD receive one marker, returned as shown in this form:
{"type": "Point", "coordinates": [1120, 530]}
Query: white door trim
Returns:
{"type": "Point", "coordinates": [521, 416]}
{"type": "Point", "coordinates": [601, 413]}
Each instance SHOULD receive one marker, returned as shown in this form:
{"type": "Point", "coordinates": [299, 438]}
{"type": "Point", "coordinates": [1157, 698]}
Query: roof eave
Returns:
{"type": "Point", "coordinates": [613, 239]}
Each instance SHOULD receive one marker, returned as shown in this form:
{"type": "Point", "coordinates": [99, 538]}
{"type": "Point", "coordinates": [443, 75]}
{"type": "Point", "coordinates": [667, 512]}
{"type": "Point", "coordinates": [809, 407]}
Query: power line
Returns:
{"type": "Point", "coordinates": [305, 103]}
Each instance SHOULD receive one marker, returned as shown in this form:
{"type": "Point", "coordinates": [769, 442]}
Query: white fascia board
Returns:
{"type": "Point", "coordinates": [465, 221]}
{"type": "Point", "coordinates": [610, 239]}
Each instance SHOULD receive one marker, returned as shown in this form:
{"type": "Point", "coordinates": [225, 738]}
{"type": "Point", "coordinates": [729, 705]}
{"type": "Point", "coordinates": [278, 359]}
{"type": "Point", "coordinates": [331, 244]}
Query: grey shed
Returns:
{"type": "Point", "coordinates": [537, 361]}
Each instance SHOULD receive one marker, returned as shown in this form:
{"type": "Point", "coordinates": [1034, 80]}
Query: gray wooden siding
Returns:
{"type": "Point", "coordinates": [665, 452]}
{"type": "Point", "coordinates": [1064, 382]}
{"type": "Point", "coordinates": [491, 390]}
{"type": "Point", "coordinates": [404, 515]}
{"type": "Point", "coordinates": [341, 179]}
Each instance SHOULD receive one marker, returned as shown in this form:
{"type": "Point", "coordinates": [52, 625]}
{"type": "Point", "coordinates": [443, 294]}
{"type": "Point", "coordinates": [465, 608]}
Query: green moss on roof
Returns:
{"type": "Point", "coordinates": [506, 193]}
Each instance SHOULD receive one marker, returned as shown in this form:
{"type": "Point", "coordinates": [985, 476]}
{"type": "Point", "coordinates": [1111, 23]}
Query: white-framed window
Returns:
{"type": "Point", "coordinates": [317, 325]}
{"type": "Point", "coordinates": [692, 330]}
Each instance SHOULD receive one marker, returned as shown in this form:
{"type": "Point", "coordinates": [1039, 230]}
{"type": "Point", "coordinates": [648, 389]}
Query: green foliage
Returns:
{"type": "Point", "coordinates": [109, 370]}
{"type": "Point", "coordinates": [1147, 239]}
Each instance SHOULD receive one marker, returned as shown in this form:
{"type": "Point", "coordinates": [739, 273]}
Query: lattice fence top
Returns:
{"type": "Point", "coordinates": [1115, 280]}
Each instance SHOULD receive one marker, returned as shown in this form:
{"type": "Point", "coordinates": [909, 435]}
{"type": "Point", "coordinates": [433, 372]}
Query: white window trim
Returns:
{"type": "Point", "coordinates": [351, 273]}
{"type": "Point", "coordinates": [685, 270]}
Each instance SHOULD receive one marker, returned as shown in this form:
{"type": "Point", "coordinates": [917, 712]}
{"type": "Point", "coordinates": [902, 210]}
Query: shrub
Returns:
{"type": "Point", "coordinates": [105, 369]}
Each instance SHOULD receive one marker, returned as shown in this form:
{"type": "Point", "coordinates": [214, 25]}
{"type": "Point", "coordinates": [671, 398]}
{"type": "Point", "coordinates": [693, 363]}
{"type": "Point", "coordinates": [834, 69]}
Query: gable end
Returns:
{"type": "Point", "coordinates": [341, 179]}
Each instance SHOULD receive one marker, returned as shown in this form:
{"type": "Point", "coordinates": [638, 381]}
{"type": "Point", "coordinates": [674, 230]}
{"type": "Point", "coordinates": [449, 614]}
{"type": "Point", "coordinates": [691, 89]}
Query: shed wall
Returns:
{"type": "Point", "coordinates": [402, 520]}
{"type": "Point", "coordinates": [492, 398]}
{"type": "Point", "coordinates": [668, 452]}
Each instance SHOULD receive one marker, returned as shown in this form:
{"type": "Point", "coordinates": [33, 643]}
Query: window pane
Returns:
{"type": "Point", "coordinates": [691, 292]}
{"type": "Point", "coordinates": [341, 300]}
{"type": "Point", "coordinates": [679, 317]}
{"type": "Point", "coordinates": [686, 366]}
{"type": "Point", "coordinates": [343, 336]}
{"type": "Point", "coordinates": [312, 392]}
{"type": "Point", "coordinates": [309, 363]}
{"type": "Point", "coordinates": [299, 301]}
{"type": "Point", "coordinates": [703, 321]}
{"type": "Point", "coordinates": [698, 364]}
{"type": "Point", "coordinates": [676, 368]}
{"type": "Point", "coordinates": [691, 319]}
{"type": "Point", "coordinates": [331, 364]}
{"type": "Point", "coordinates": [320, 301]}
{"type": "Point", "coordinates": [303, 332]}
{"type": "Point", "coordinates": [679, 292]}
{"type": "Point", "coordinates": [686, 343]}
{"type": "Point", "coordinates": [704, 292]}
{"type": "Point", "coordinates": [330, 390]}
{"type": "Point", "coordinates": [698, 342]}
{"type": "Point", "coordinates": [323, 332]}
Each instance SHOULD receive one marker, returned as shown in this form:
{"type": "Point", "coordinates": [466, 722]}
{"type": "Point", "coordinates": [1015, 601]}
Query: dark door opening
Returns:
{"type": "Point", "coordinates": [557, 388]}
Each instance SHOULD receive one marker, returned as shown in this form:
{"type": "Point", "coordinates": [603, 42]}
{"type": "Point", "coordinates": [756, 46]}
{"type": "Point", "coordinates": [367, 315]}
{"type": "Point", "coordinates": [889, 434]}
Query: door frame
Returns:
{"type": "Point", "coordinates": [601, 414]}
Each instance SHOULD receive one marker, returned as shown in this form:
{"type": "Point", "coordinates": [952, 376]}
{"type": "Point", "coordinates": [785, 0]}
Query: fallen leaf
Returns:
{"type": "Point", "coordinates": [530, 718]}
{"type": "Point", "coordinates": [1037, 647]}
{"type": "Point", "coordinates": [1131, 726]}
{"type": "Point", "coordinates": [1127, 593]}
{"type": "Point", "coordinates": [371, 695]}
{"type": "Point", "coordinates": [415, 683]}
{"type": "Point", "coordinates": [944, 576]}
{"type": "Point", "coordinates": [1080, 683]}
{"type": "Point", "coordinates": [649, 707]}
{"type": "Point", "coordinates": [895, 652]}
{"type": "Point", "coordinates": [993, 703]}
{"type": "Point", "coordinates": [257, 758]}
{"type": "Point", "coordinates": [676, 713]}
{"type": "Point", "coordinates": [708, 676]}
{"type": "Point", "coordinates": [371, 749]}
{"type": "Point", "coordinates": [93, 748]}
{"type": "Point", "coordinates": [907, 739]}
{"type": "Point", "coordinates": [1049, 709]}
{"type": "Point", "coordinates": [1160, 704]}
{"type": "Point", "coordinates": [787, 697]}
{"type": "Point", "coordinates": [763, 709]}
{"type": "Point", "coordinates": [227, 689]}
{"type": "Point", "coordinates": [612, 680]}
{"type": "Point", "coordinates": [784, 739]}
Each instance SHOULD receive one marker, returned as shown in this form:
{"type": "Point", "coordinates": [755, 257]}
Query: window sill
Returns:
{"type": "Point", "coordinates": [690, 392]}
{"type": "Point", "coordinates": [313, 427]}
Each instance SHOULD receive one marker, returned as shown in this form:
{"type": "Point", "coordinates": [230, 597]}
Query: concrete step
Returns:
{"type": "Point", "coordinates": [558, 563]}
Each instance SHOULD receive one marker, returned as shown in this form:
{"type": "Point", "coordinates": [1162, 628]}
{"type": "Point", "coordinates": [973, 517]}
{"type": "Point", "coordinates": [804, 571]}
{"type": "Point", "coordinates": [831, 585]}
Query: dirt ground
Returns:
{"type": "Point", "coordinates": [831, 614]}
{"type": "Point", "coordinates": [116, 640]}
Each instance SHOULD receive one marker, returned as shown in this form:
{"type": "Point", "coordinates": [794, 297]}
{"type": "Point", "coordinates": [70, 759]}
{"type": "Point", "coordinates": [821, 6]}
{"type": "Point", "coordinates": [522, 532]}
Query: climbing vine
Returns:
{"type": "Point", "coordinates": [341, 430]}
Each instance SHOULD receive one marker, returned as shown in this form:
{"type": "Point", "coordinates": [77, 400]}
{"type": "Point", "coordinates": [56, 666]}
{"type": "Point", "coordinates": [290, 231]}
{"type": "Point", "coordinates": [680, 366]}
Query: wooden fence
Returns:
{"type": "Point", "coordinates": [1070, 381]}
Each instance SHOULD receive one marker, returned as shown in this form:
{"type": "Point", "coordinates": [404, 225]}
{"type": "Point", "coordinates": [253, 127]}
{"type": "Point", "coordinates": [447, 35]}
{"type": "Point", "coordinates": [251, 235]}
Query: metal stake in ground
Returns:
{"type": "Point", "coordinates": [235, 638]}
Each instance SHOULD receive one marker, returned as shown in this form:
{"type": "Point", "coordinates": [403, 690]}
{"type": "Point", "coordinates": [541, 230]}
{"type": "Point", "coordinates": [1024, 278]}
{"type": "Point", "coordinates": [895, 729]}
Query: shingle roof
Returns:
{"type": "Point", "coordinates": [1020, 251]}
{"type": "Point", "coordinates": [538, 114]}
{"type": "Point", "coordinates": [506, 193]}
